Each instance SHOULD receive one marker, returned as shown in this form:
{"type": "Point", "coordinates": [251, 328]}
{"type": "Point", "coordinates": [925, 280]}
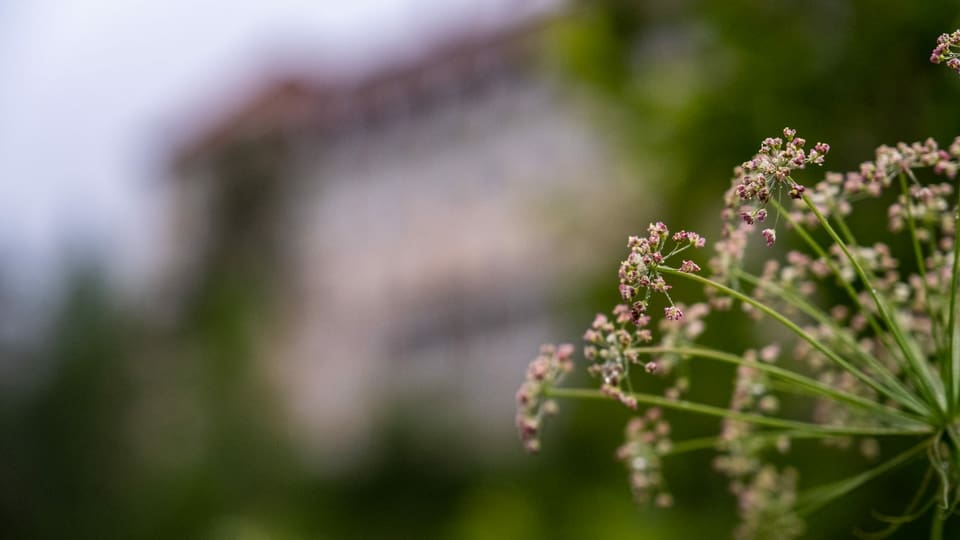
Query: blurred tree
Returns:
{"type": "Point", "coordinates": [693, 85]}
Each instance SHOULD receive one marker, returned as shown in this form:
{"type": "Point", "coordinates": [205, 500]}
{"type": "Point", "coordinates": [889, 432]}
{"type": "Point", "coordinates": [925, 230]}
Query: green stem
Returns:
{"type": "Point", "coordinates": [819, 496]}
{"type": "Point", "coordinates": [757, 419]}
{"type": "Point", "coordinates": [824, 320]}
{"type": "Point", "coordinates": [807, 383]}
{"type": "Point", "coordinates": [945, 368]}
{"type": "Point", "coordinates": [910, 513]}
{"type": "Point", "coordinates": [926, 382]}
{"type": "Point", "coordinates": [942, 469]}
{"type": "Point", "coordinates": [921, 263]}
{"type": "Point", "coordinates": [954, 341]}
{"type": "Point", "coordinates": [851, 293]}
{"type": "Point", "coordinates": [692, 445]}
{"type": "Point", "coordinates": [954, 437]}
{"type": "Point", "coordinates": [936, 528]}
{"type": "Point", "coordinates": [706, 443]}
{"type": "Point", "coordinates": [900, 397]}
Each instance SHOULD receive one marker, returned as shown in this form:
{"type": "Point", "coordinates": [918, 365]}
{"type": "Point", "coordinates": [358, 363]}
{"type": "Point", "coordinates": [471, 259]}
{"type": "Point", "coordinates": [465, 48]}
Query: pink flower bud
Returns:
{"type": "Point", "coordinates": [673, 313]}
{"type": "Point", "coordinates": [689, 267]}
{"type": "Point", "coordinates": [770, 236]}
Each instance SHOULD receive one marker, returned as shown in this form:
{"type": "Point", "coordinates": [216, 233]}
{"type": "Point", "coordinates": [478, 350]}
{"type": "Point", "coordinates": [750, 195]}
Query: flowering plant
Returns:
{"type": "Point", "coordinates": [882, 362]}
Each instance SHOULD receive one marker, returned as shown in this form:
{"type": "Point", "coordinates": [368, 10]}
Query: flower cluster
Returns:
{"type": "Point", "coordinates": [765, 493]}
{"type": "Point", "coordinates": [646, 439]}
{"type": "Point", "coordinates": [675, 335]}
{"type": "Point", "coordinates": [766, 506]}
{"type": "Point", "coordinates": [861, 324]}
{"type": "Point", "coordinates": [947, 50]}
{"type": "Point", "coordinates": [836, 193]}
{"type": "Point", "coordinates": [757, 184]}
{"type": "Point", "coordinates": [641, 269]}
{"type": "Point", "coordinates": [545, 371]}
{"type": "Point", "coordinates": [761, 179]}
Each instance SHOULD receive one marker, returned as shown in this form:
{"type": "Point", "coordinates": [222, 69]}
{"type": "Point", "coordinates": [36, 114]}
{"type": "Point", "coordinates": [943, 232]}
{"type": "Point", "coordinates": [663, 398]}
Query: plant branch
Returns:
{"type": "Point", "coordinates": [953, 348]}
{"type": "Point", "coordinates": [825, 320]}
{"type": "Point", "coordinates": [819, 496]}
{"type": "Point", "coordinates": [757, 419]}
{"type": "Point", "coordinates": [927, 383]}
{"type": "Point", "coordinates": [812, 385]}
{"type": "Point", "coordinates": [901, 397]}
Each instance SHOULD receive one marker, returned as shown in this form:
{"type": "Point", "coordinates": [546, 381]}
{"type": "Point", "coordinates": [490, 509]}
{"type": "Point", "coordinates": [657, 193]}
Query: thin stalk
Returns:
{"type": "Point", "coordinates": [902, 398]}
{"type": "Point", "coordinates": [921, 368]}
{"type": "Point", "coordinates": [757, 419]}
{"type": "Point", "coordinates": [706, 443]}
{"type": "Point", "coordinates": [953, 348]}
{"type": "Point", "coordinates": [936, 528]}
{"type": "Point", "coordinates": [910, 513]}
{"type": "Point", "coordinates": [793, 389]}
{"type": "Point", "coordinates": [828, 260]}
{"type": "Point", "coordinates": [921, 262]}
{"type": "Point", "coordinates": [814, 386]}
{"type": "Point", "coordinates": [926, 382]}
{"type": "Point", "coordinates": [822, 318]}
{"type": "Point", "coordinates": [954, 437]}
{"type": "Point", "coordinates": [819, 496]}
{"type": "Point", "coordinates": [692, 445]}
{"type": "Point", "coordinates": [942, 469]}
{"type": "Point", "coordinates": [845, 284]}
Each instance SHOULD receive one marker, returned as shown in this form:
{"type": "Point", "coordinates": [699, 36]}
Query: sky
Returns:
{"type": "Point", "coordinates": [95, 93]}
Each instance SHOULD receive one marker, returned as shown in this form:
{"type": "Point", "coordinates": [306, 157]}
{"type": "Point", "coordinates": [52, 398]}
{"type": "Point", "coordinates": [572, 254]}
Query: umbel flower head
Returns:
{"type": "Point", "coordinates": [533, 405]}
{"type": "Point", "coordinates": [947, 51]}
{"type": "Point", "coordinates": [878, 363]}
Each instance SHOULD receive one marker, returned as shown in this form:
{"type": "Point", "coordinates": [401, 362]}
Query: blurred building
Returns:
{"type": "Point", "coordinates": [413, 227]}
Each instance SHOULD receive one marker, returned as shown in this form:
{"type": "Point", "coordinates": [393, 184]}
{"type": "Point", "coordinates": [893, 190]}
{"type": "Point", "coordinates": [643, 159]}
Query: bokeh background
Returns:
{"type": "Point", "coordinates": [275, 270]}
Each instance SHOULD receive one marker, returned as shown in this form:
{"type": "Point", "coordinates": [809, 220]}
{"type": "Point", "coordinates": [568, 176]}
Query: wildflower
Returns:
{"type": "Point", "coordinates": [545, 371]}
{"type": "Point", "coordinates": [947, 51]}
{"type": "Point", "coordinates": [673, 313]}
{"type": "Point", "coordinates": [770, 236]}
{"type": "Point", "coordinates": [647, 438]}
{"type": "Point", "coordinates": [882, 361]}
{"type": "Point", "coordinates": [689, 267]}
